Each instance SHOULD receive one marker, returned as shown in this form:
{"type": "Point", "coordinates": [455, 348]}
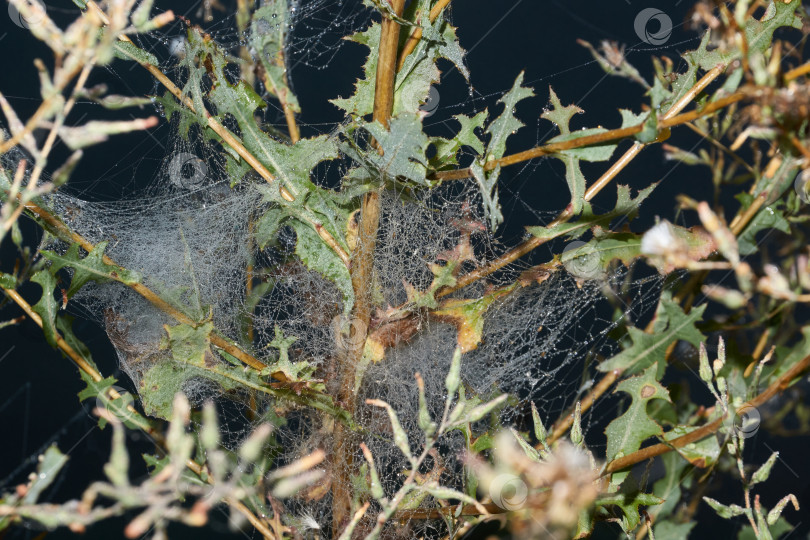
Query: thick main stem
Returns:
{"type": "Point", "coordinates": [361, 271]}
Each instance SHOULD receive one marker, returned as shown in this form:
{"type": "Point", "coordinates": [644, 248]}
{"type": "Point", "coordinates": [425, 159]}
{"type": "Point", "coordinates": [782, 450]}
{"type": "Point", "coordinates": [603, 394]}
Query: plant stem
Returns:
{"type": "Point", "coordinates": [655, 450]}
{"type": "Point", "coordinates": [795, 73]}
{"type": "Point", "coordinates": [71, 353]}
{"type": "Point", "coordinates": [589, 140]}
{"type": "Point", "coordinates": [60, 120]}
{"type": "Point", "coordinates": [416, 35]}
{"type": "Point", "coordinates": [529, 245]}
{"type": "Point", "coordinates": [231, 140]}
{"type": "Point", "coordinates": [362, 268]}
{"type": "Point", "coordinates": [61, 230]}
{"type": "Point", "coordinates": [281, 94]}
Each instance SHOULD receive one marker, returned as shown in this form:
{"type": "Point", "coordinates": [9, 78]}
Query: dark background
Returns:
{"type": "Point", "coordinates": [38, 403]}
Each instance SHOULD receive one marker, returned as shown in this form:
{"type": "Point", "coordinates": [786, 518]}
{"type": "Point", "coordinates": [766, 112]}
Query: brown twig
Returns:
{"type": "Point", "coordinates": [522, 249]}
{"type": "Point", "coordinates": [655, 450]}
{"type": "Point", "coordinates": [416, 35]}
{"type": "Point", "coordinates": [68, 235]}
{"type": "Point", "coordinates": [590, 140]}
{"type": "Point", "coordinates": [795, 73]}
{"type": "Point", "coordinates": [63, 345]}
{"type": "Point", "coordinates": [566, 421]}
{"type": "Point", "coordinates": [231, 140]}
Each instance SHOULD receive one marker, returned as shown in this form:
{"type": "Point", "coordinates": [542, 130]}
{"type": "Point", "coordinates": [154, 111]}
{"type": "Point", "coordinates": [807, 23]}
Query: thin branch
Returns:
{"type": "Point", "coordinates": [795, 73]}
{"type": "Point", "coordinates": [60, 120]}
{"type": "Point", "coordinates": [362, 269]}
{"type": "Point", "coordinates": [64, 232]}
{"type": "Point", "coordinates": [564, 424]}
{"type": "Point", "coordinates": [590, 140]}
{"type": "Point", "coordinates": [649, 452]}
{"type": "Point", "coordinates": [722, 147]}
{"type": "Point", "coordinates": [30, 126]}
{"type": "Point", "coordinates": [230, 139]}
{"type": "Point", "coordinates": [534, 242]}
{"type": "Point", "coordinates": [63, 345]}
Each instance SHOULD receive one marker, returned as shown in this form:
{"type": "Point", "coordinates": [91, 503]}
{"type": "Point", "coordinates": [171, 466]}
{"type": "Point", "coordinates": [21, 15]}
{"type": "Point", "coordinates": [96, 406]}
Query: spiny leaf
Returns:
{"type": "Point", "coordinates": [626, 433]}
{"type": "Point", "coordinates": [629, 503]}
{"type": "Point", "coordinates": [403, 148]}
{"type": "Point", "coordinates": [626, 206]}
{"type": "Point", "coordinates": [758, 35]}
{"type": "Point", "coordinates": [769, 217]}
{"type": "Point", "coordinates": [590, 260]}
{"type": "Point", "coordinates": [47, 307]}
{"type": "Point", "coordinates": [361, 103]}
{"type": "Point", "coordinates": [447, 149]}
{"type": "Point", "coordinates": [291, 164]}
{"type": "Point", "coordinates": [293, 371]}
{"type": "Point", "coordinates": [268, 33]}
{"type": "Point", "coordinates": [418, 73]}
{"type": "Point", "coordinates": [319, 257]}
{"type": "Point", "coordinates": [561, 117]}
{"type": "Point", "coordinates": [64, 323]}
{"type": "Point", "coordinates": [90, 268]}
{"type": "Point", "coordinates": [500, 129]}
{"type": "Point", "coordinates": [189, 344]}
{"type": "Point", "coordinates": [95, 388]}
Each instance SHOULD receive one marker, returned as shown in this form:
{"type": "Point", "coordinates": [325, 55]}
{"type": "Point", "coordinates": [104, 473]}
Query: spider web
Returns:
{"type": "Point", "coordinates": [187, 233]}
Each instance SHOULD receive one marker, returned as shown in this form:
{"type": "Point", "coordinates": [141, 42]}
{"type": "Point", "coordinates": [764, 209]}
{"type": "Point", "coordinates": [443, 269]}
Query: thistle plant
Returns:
{"type": "Point", "coordinates": [399, 368]}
